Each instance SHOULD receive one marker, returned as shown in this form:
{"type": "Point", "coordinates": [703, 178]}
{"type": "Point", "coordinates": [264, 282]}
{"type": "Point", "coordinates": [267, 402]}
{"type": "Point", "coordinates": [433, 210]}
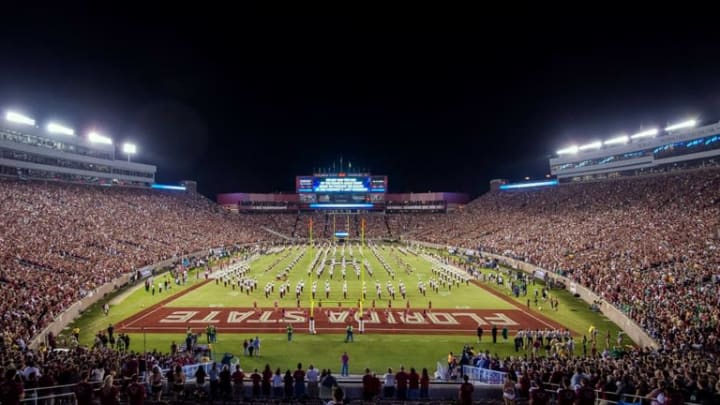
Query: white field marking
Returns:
{"type": "Point", "coordinates": [216, 305]}
{"type": "Point", "coordinates": [462, 307]}
{"type": "Point", "coordinates": [340, 329]}
{"type": "Point", "coordinates": [539, 320]}
{"type": "Point", "coordinates": [148, 314]}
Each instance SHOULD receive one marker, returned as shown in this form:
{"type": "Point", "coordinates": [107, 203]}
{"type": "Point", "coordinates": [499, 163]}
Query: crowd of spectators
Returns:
{"type": "Point", "coordinates": [35, 371]}
{"type": "Point", "coordinates": [648, 245]}
{"type": "Point", "coordinates": [640, 376]}
{"type": "Point", "coordinates": [59, 242]}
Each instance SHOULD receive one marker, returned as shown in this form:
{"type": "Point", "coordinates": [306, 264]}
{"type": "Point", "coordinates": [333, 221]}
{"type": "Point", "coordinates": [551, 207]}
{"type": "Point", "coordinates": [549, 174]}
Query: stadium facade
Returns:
{"type": "Point", "coordinates": [29, 151]}
{"type": "Point", "coordinates": [341, 191]}
{"type": "Point", "coordinates": [642, 153]}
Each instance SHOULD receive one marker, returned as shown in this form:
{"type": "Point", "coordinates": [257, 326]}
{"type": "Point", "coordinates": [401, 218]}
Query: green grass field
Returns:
{"type": "Point", "coordinates": [217, 295]}
{"type": "Point", "coordinates": [375, 351]}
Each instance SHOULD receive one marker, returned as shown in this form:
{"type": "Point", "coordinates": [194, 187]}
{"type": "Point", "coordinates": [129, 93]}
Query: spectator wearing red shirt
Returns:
{"type": "Point", "coordinates": [136, 392]}
{"type": "Point", "coordinates": [256, 379]}
{"type": "Point", "coordinates": [466, 392]}
{"type": "Point", "coordinates": [538, 395]}
{"type": "Point", "coordinates": [424, 384]}
{"type": "Point", "coordinates": [413, 385]}
{"type": "Point", "coordinates": [266, 381]}
{"type": "Point", "coordinates": [83, 391]}
{"type": "Point", "coordinates": [566, 395]}
{"type": "Point", "coordinates": [401, 380]}
{"type": "Point", "coordinates": [238, 378]}
{"type": "Point", "coordinates": [299, 378]}
{"type": "Point", "coordinates": [11, 389]}
{"type": "Point", "coordinates": [368, 385]}
{"type": "Point", "coordinates": [524, 385]}
{"type": "Point", "coordinates": [585, 393]}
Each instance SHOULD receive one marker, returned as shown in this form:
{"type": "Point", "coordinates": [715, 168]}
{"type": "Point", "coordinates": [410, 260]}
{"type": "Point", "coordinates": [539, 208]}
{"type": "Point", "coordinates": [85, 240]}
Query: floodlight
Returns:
{"type": "Point", "coordinates": [568, 150]}
{"type": "Point", "coordinates": [129, 148]}
{"type": "Point", "coordinates": [19, 118]}
{"type": "Point", "coordinates": [59, 129]}
{"type": "Point", "coordinates": [94, 137]}
{"type": "Point", "coordinates": [645, 134]}
{"type": "Point", "coordinates": [594, 145]}
{"type": "Point", "coordinates": [622, 139]}
{"type": "Point", "coordinates": [680, 125]}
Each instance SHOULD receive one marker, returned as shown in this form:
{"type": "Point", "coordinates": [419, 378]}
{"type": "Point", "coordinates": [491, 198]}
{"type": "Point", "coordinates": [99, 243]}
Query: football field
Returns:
{"type": "Point", "coordinates": [440, 311]}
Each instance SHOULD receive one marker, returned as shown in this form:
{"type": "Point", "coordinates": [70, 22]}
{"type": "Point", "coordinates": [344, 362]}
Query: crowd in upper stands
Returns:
{"type": "Point", "coordinates": [649, 245]}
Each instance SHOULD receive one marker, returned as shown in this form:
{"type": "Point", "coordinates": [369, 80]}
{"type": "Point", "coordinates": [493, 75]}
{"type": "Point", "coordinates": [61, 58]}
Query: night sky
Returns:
{"type": "Point", "coordinates": [244, 101]}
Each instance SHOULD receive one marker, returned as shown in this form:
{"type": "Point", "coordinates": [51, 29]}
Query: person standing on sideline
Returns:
{"type": "Point", "coordinates": [289, 332]}
{"type": "Point", "coordinates": [312, 382]}
{"type": "Point", "coordinates": [466, 392]}
{"type": "Point", "coordinates": [479, 333]}
{"type": "Point", "coordinates": [401, 381]}
{"type": "Point", "coordinates": [368, 386]}
{"type": "Point", "coordinates": [389, 385]}
{"type": "Point", "coordinates": [345, 359]}
{"type": "Point", "coordinates": [424, 384]}
{"type": "Point", "coordinates": [256, 345]}
{"type": "Point", "coordinates": [413, 385]}
{"type": "Point", "coordinates": [299, 379]}
{"type": "Point", "coordinates": [494, 333]}
{"type": "Point", "coordinates": [110, 331]}
{"type": "Point", "coordinates": [349, 334]}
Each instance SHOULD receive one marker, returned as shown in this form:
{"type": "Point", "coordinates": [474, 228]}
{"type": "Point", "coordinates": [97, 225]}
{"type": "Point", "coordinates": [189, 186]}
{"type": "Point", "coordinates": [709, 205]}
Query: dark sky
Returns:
{"type": "Point", "coordinates": [244, 101]}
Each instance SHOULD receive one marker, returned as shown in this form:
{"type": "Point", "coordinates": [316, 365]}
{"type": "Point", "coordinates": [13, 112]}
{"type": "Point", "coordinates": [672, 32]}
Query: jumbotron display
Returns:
{"type": "Point", "coordinates": [342, 191]}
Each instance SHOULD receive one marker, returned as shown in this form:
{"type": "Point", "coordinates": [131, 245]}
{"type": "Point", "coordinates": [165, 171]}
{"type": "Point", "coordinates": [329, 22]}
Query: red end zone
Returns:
{"type": "Point", "coordinates": [247, 320]}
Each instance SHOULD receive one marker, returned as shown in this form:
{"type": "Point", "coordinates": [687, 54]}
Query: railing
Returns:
{"type": "Point", "coordinates": [601, 397]}
{"type": "Point", "coordinates": [440, 390]}
{"type": "Point", "coordinates": [484, 375]}
{"type": "Point", "coordinates": [67, 397]}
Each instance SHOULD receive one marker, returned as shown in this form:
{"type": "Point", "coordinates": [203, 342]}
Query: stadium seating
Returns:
{"type": "Point", "coordinates": [648, 245]}
{"type": "Point", "coordinates": [60, 241]}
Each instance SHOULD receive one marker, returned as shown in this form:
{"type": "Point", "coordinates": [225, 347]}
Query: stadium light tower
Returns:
{"type": "Point", "coordinates": [18, 118]}
{"type": "Point", "coordinates": [55, 128]}
{"type": "Point", "coordinates": [622, 139]}
{"type": "Point", "coordinates": [569, 150]}
{"type": "Point", "coordinates": [129, 149]}
{"type": "Point", "coordinates": [593, 145]}
{"type": "Point", "coordinates": [94, 137]}
{"type": "Point", "coordinates": [680, 125]}
{"type": "Point", "coordinates": [645, 134]}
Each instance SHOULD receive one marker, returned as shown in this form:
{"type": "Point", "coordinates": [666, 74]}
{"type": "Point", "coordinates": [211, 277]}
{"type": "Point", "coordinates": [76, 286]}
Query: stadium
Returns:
{"type": "Point", "coordinates": [533, 284]}
{"type": "Point", "coordinates": [231, 206]}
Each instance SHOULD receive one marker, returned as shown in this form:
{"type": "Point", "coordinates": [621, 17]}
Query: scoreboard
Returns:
{"type": "Point", "coordinates": [340, 191]}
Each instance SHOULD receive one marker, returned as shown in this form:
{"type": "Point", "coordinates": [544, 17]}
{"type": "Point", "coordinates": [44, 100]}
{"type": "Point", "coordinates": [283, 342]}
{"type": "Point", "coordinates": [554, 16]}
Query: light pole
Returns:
{"type": "Point", "coordinates": [129, 149]}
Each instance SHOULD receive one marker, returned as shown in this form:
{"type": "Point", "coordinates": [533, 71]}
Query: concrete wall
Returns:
{"type": "Point", "coordinates": [632, 329]}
